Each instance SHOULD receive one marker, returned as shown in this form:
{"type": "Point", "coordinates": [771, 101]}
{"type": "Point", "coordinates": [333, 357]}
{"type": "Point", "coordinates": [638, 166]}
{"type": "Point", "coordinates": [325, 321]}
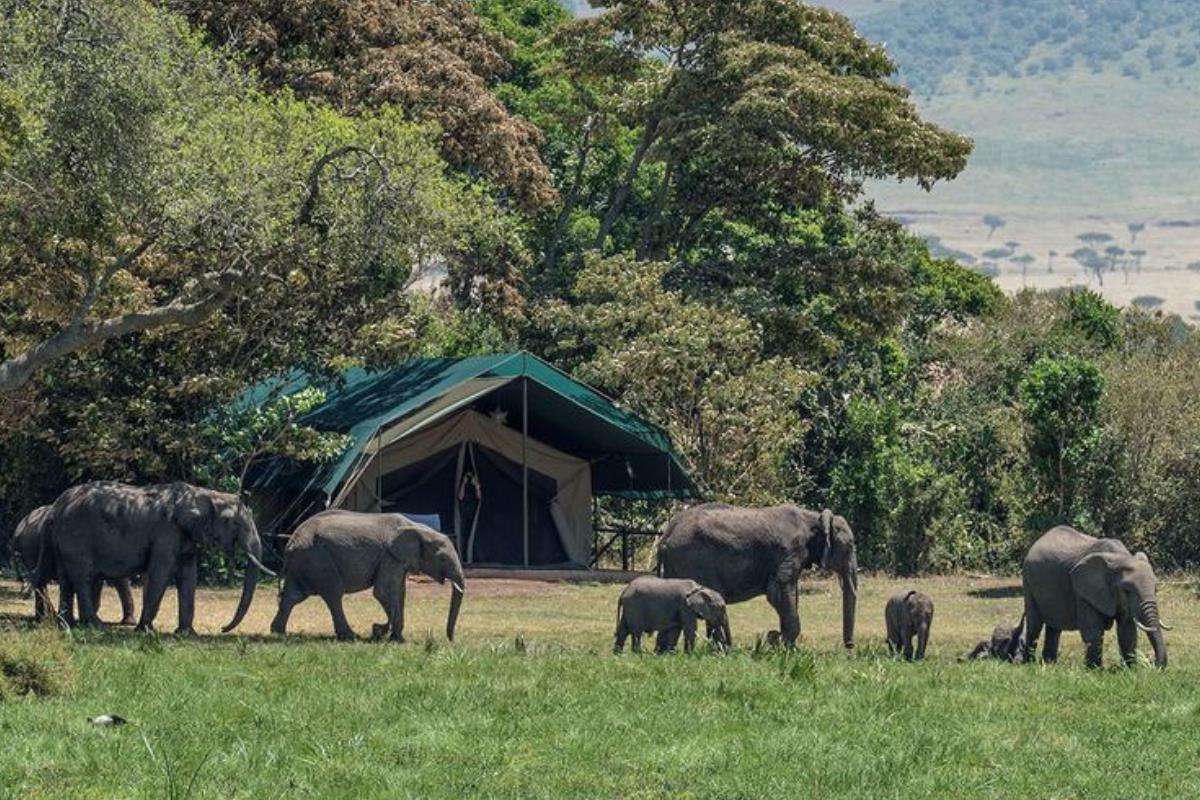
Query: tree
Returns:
{"type": "Point", "coordinates": [698, 370]}
{"type": "Point", "coordinates": [157, 188]}
{"type": "Point", "coordinates": [1053, 254]}
{"type": "Point", "coordinates": [1094, 238]}
{"type": "Point", "coordinates": [994, 223]}
{"type": "Point", "coordinates": [1135, 228]}
{"type": "Point", "coordinates": [1060, 402]}
{"type": "Point", "coordinates": [752, 106]}
{"type": "Point", "coordinates": [434, 60]}
{"type": "Point", "coordinates": [1024, 260]}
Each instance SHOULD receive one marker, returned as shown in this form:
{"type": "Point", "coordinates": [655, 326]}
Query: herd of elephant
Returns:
{"type": "Point", "coordinates": [709, 555]}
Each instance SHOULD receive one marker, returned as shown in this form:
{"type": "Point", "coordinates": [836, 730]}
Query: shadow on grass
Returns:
{"type": "Point", "coordinates": [996, 592]}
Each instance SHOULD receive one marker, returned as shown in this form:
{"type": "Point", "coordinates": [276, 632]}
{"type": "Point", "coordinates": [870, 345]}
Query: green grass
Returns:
{"type": "Point", "coordinates": [248, 716]}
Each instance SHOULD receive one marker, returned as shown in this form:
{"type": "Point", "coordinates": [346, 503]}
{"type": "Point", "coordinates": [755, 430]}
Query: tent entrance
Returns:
{"type": "Point", "coordinates": [467, 471]}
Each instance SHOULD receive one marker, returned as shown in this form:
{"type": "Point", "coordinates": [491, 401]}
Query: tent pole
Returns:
{"type": "Point", "coordinates": [525, 466]}
{"type": "Point", "coordinates": [378, 471]}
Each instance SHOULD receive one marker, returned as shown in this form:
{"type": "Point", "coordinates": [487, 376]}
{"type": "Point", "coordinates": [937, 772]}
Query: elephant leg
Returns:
{"type": "Point", "coordinates": [341, 626]}
{"type": "Point", "coordinates": [66, 601]}
{"type": "Point", "coordinates": [1127, 632]}
{"type": "Point", "coordinates": [97, 590]}
{"type": "Point", "coordinates": [288, 598]}
{"type": "Point", "coordinates": [389, 591]}
{"type": "Point", "coordinates": [637, 642]}
{"type": "Point", "coordinates": [80, 584]}
{"type": "Point", "coordinates": [157, 578]}
{"type": "Point", "coordinates": [1050, 650]}
{"type": "Point", "coordinates": [126, 594]}
{"type": "Point", "coordinates": [1094, 656]}
{"type": "Point", "coordinates": [922, 641]}
{"type": "Point", "coordinates": [783, 597]}
{"type": "Point", "coordinates": [668, 640]}
{"type": "Point", "coordinates": [185, 587]}
{"type": "Point", "coordinates": [40, 604]}
{"type": "Point", "coordinates": [689, 638]}
{"type": "Point", "coordinates": [908, 646]}
{"type": "Point", "coordinates": [620, 636]}
{"type": "Point", "coordinates": [1033, 630]}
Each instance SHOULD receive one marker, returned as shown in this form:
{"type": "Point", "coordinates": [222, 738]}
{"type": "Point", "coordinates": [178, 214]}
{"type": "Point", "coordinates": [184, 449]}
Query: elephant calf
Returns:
{"type": "Point", "coordinates": [1005, 644]}
{"type": "Point", "coordinates": [909, 613]}
{"type": "Point", "coordinates": [668, 606]}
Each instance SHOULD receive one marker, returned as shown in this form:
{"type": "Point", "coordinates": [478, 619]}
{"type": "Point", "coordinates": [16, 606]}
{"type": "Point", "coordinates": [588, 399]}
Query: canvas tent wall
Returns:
{"type": "Point", "coordinates": [539, 437]}
{"type": "Point", "coordinates": [421, 473]}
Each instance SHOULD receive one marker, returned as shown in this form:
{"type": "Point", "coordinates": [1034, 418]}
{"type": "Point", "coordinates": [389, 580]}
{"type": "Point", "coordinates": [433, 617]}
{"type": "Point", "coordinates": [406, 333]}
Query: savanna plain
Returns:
{"type": "Point", "coordinates": [530, 702]}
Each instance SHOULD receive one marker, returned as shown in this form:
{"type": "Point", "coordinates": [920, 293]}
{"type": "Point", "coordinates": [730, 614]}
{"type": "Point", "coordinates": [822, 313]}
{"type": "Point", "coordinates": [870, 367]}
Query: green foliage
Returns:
{"type": "Point", "coordinates": [695, 368]}
{"type": "Point", "coordinates": [1092, 316]}
{"type": "Point", "coordinates": [1060, 401]}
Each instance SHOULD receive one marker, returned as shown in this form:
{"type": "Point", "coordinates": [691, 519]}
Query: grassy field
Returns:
{"type": "Point", "coordinates": [530, 703]}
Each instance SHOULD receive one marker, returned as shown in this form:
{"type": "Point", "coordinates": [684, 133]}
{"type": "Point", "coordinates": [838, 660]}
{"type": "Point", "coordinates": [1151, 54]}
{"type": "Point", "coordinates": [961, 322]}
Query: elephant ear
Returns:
{"type": "Point", "coordinates": [1092, 580]}
{"type": "Point", "coordinates": [827, 535]}
{"type": "Point", "coordinates": [192, 510]}
{"type": "Point", "coordinates": [406, 546]}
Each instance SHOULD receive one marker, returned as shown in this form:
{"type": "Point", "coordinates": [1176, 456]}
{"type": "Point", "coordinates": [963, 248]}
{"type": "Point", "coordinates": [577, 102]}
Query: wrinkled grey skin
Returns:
{"type": "Point", "coordinates": [1005, 644]}
{"type": "Point", "coordinates": [337, 552]}
{"type": "Point", "coordinates": [668, 607]}
{"type": "Point", "coordinates": [908, 614]}
{"type": "Point", "coordinates": [746, 552]}
{"type": "Point", "coordinates": [1075, 582]}
{"type": "Point", "coordinates": [113, 530]}
{"type": "Point", "coordinates": [27, 547]}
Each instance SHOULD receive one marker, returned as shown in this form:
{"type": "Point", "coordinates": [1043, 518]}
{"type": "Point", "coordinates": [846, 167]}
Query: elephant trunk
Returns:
{"type": "Point", "coordinates": [253, 547]}
{"type": "Point", "coordinates": [457, 590]}
{"type": "Point", "coordinates": [1151, 623]}
{"type": "Point", "coordinates": [849, 580]}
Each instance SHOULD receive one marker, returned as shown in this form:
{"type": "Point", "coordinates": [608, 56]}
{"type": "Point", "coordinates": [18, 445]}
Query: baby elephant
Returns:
{"type": "Point", "coordinates": [909, 613]}
{"type": "Point", "coordinates": [1005, 644]}
{"type": "Point", "coordinates": [668, 606]}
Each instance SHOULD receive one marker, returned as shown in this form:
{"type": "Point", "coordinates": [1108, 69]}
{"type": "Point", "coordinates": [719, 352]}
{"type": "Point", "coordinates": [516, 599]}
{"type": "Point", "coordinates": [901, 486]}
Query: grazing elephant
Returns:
{"type": "Point", "coordinates": [113, 530]}
{"type": "Point", "coordinates": [1005, 644]}
{"type": "Point", "coordinates": [908, 613]}
{"type": "Point", "coordinates": [668, 607]}
{"type": "Point", "coordinates": [27, 547]}
{"type": "Point", "coordinates": [1074, 582]}
{"type": "Point", "coordinates": [336, 552]}
{"type": "Point", "coordinates": [746, 552]}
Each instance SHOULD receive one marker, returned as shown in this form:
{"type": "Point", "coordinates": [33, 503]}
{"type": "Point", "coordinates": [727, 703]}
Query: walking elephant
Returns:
{"type": "Point", "coordinates": [746, 552]}
{"type": "Point", "coordinates": [908, 614]}
{"type": "Point", "coordinates": [113, 530]}
{"type": "Point", "coordinates": [669, 607]}
{"type": "Point", "coordinates": [27, 547]}
{"type": "Point", "coordinates": [337, 552]}
{"type": "Point", "coordinates": [1073, 581]}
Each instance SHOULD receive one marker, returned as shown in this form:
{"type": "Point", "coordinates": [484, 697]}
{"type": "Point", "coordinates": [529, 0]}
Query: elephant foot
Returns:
{"type": "Point", "coordinates": [189, 632]}
{"type": "Point", "coordinates": [127, 621]}
{"type": "Point", "coordinates": [345, 636]}
{"type": "Point", "coordinates": [379, 630]}
{"type": "Point", "coordinates": [144, 627]}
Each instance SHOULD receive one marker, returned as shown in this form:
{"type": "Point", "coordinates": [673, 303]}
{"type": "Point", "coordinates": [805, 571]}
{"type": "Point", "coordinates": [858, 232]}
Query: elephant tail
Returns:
{"type": "Point", "coordinates": [45, 568]}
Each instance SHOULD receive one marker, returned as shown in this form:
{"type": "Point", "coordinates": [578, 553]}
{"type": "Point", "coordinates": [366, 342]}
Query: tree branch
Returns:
{"type": "Point", "coordinates": [180, 313]}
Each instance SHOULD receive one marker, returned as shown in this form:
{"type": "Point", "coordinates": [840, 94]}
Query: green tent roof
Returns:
{"type": "Point", "coordinates": [630, 457]}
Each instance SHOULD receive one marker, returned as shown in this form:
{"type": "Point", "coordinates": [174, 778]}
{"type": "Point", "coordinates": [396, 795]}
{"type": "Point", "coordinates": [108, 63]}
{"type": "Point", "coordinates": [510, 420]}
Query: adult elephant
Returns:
{"type": "Point", "coordinates": [336, 552]}
{"type": "Point", "coordinates": [27, 547]}
{"type": "Point", "coordinates": [113, 530]}
{"type": "Point", "coordinates": [1073, 581]}
{"type": "Point", "coordinates": [746, 552]}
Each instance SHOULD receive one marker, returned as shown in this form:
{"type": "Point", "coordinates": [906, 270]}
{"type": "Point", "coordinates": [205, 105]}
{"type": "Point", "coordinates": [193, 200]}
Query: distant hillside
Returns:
{"type": "Point", "coordinates": [934, 40]}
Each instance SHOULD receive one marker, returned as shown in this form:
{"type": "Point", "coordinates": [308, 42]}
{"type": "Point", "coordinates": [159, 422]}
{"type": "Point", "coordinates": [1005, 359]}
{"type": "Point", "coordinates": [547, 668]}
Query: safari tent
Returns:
{"type": "Point", "coordinates": [503, 453]}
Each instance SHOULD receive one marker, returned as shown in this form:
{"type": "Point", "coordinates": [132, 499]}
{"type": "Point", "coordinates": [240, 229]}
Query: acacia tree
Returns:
{"type": "Point", "coordinates": [153, 187]}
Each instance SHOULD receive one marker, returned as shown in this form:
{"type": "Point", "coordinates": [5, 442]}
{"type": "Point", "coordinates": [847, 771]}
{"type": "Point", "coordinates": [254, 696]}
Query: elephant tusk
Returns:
{"type": "Point", "coordinates": [259, 564]}
{"type": "Point", "coordinates": [1142, 627]}
{"type": "Point", "coordinates": [1165, 626]}
{"type": "Point", "coordinates": [458, 587]}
